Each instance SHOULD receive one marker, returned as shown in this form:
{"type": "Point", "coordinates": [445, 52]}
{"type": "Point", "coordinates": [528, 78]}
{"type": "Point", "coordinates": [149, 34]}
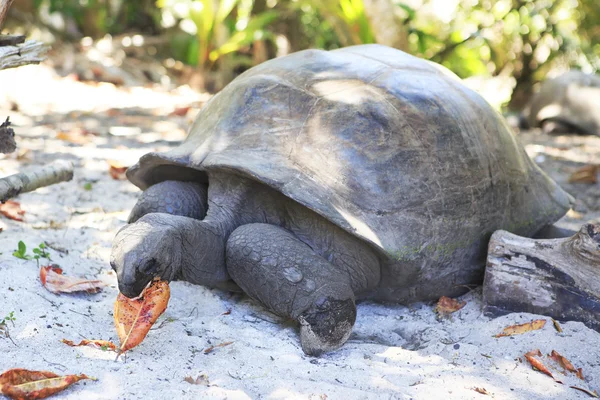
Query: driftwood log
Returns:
{"type": "Point", "coordinates": [58, 171]}
{"type": "Point", "coordinates": [559, 278]}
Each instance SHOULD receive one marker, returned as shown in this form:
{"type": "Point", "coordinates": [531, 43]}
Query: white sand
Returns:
{"type": "Point", "coordinates": [395, 352]}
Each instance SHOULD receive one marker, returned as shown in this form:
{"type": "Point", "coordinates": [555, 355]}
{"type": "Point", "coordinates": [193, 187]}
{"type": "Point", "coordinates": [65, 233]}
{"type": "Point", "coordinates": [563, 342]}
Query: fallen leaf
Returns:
{"type": "Point", "coordinates": [76, 136]}
{"type": "Point", "coordinates": [557, 325]}
{"type": "Point", "coordinates": [211, 348]}
{"type": "Point", "coordinates": [522, 328]}
{"type": "Point", "coordinates": [564, 363]}
{"type": "Point", "coordinates": [586, 174]}
{"type": "Point", "coordinates": [12, 209]}
{"type": "Point", "coordinates": [24, 384]}
{"type": "Point", "coordinates": [593, 394]}
{"type": "Point", "coordinates": [481, 390]}
{"type": "Point", "coordinates": [446, 306]}
{"type": "Point", "coordinates": [180, 111]}
{"type": "Point", "coordinates": [135, 317]}
{"type": "Point", "coordinates": [200, 380]}
{"type": "Point", "coordinates": [227, 312]}
{"type": "Point", "coordinates": [100, 344]}
{"type": "Point", "coordinates": [53, 280]}
{"type": "Point", "coordinates": [117, 170]}
{"type": "Point", "coordinates": [537, 364]}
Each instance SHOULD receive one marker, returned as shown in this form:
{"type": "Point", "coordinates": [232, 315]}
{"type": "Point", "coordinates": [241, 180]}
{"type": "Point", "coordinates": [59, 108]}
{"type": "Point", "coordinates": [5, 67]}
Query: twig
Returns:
{"type": "Point", "coordinates": [4, 6]}
{"type": "Point", "coordinates": [58, 171]}
{"type": "Point", "coordinates": [11, 40]}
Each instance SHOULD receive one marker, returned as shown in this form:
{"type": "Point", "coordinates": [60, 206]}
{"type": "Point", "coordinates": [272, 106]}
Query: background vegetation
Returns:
{"type": "Point", "coordinates": [522, 39]}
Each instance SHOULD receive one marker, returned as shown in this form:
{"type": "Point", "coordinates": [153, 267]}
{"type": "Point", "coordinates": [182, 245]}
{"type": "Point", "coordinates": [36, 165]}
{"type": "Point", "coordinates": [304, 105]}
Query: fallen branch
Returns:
{"type": "Point", "coordinates": [30, 52]}
{"type": "Point", "coordinates": [559, 278]}
{"type": "Point", "coordinates": [58, 171]}
{"type": "Point", "coordinates": [11, 40]}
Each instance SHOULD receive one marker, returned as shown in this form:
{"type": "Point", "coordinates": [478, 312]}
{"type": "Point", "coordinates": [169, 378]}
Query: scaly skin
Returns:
{"type": "Point", "coordinates": [296, 263]}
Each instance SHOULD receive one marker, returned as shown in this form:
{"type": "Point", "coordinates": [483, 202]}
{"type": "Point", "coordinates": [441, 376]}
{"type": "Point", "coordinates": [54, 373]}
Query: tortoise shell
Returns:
{"type": "Point", "coordinates": [390, 147]}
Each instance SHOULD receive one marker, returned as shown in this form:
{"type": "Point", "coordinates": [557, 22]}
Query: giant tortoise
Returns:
{"type": "Point", "coordinates": [322, 178]}
{"type": "Point", "coordinates": [569, 103]}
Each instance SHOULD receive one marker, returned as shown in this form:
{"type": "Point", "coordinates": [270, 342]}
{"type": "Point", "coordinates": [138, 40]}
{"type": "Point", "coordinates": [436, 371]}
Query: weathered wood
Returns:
{"type": "Point", "coordinates": [559, 278]}
{"type": "Point", "coordinates": [30, 52]}
{"type": "Point", "coordinates": [11, 40]}
{"type": "Point", "coordinates": [58, 171]}
{"type": "Point", "coordinates": [7, 138]}
{"type": "Point", "coordinates": [4, 6]}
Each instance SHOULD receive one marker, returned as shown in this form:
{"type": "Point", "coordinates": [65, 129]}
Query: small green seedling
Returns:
{"type": "Point", "coordinates": [21, 251]}
{"type": "Point", "coordinates": [9, 318]}
{"type": "Point", "coordinates": [87, 186]}
{"type": "Point", "coordinates": [38, 252]}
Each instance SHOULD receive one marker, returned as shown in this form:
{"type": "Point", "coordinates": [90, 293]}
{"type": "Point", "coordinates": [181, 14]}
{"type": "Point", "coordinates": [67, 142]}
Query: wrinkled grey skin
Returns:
{"type": "Point", "coordinates": [322, 178]}
{"type": "Point", "coordinates": [569, 103]}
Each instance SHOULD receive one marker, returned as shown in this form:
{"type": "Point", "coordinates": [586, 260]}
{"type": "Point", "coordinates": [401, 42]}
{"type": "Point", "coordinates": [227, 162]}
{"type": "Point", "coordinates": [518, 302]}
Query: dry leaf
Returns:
{"type": "Point", "coordinates": [446, 306]}
{"type": "Point", "coordinates": [564, 363]}
{"type": "Point", "coordinates": [200, 380]}
{"type": "Point", "coordinates": [211, 348]}
{"type": "Point", "coordinates": [180, 111]}
{"type": "Point", "coordinates": [135, 317]}
{"type": "Point", "coordinates": [24, 384]}
{"type": "Point", "coordinates": [53, 280]}
{"type": "Point", "coordinates": [12, 209]}
{"type": "Point", "coordinates": [100, 344]}
{"type": "Point", "coordinates": [585, 174]}
{"type": "Point", "coordinates": [593, 394]}
{"type": "Point", "coordinates": [522, 328]}
{"type": "Point", "coordinates": [557, 326]}
{"type": "Point", "coordinates": [77, 136]}
{"type": "Point", "coordinates": [537, 364]}
{"type": "Point", "coordinates": [481, 390]}
{"type": "Point", "coordinates": [117, 170]}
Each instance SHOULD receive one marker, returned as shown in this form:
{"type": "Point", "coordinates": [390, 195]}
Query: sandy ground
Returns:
{"type": "Point", "coordinates": [395, 352]}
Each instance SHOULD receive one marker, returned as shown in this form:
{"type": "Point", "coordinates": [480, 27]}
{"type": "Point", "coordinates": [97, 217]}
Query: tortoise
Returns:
{"type": "Point", "coordinates": [569, 103]}
{"type": "Point", "coordinates": [322, 178]}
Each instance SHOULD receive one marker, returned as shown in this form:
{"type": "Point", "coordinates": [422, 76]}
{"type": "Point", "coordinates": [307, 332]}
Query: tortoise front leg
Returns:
{"type": "Point", "coordinates": [187, 199]}
{"type": "Point", "coordinates": [274, 267]}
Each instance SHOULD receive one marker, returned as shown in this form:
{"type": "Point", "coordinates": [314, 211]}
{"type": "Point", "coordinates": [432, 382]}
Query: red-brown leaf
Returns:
{"type": "Point", "coordinates": [446, 306]}
{"type": "Point", "coordinates": [564, 363]}
{"type": "Point", "coordinates": [117, 170]}
{"type": "Point", "coordinates": [522, 328]}
{"type": "Point", "coordinates": [99, 344]}
{"type": "Point", "coordinates": [21, 383]}
{"type": "Point", "coordinates": [12, 209]}
{"type": "Point", "coordinates": [53, 280]}
{"type": "Point", "coordinates": [135, 317]}
{"type": "Point", "coordinates": [537, 364]}
{"type": "Point", "coordinates": [212, 348]}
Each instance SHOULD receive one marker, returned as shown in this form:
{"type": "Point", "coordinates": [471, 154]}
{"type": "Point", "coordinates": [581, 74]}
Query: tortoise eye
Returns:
{"type": "Point", "coordinates": [149, 267]}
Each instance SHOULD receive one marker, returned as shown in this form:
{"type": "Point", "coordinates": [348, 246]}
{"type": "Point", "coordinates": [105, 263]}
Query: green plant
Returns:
{"type": "Point", "coordinates": [9, 318]}
{"type": "Point", "coordinates": [347, 18]}
{"type": "Point", "coordinates": [38, 252]}
{"type": "Point", "coordinates": [219, 30]}
{"type": "Point", "coordinates": [87, 186]}
{"type": "Point", "coordinates": [21, 251]}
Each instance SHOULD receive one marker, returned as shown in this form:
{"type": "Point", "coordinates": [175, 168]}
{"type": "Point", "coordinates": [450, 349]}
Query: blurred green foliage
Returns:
{"type": "Point", "coordinates": [524, 39]}
{"type": "Point", "coordinates": [218, 28]}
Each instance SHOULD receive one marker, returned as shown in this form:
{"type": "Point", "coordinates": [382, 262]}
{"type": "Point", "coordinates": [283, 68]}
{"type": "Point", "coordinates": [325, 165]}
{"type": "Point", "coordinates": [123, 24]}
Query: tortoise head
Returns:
{"type": "Point", "coordinates": [148, 248]}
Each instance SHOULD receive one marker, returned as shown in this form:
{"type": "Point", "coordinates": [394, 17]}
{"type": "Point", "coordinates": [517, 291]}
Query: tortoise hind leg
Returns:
{"type": "Point", "coordinates": [274, 267]}
{"type": "Point", "coordinates": [187, 199]}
